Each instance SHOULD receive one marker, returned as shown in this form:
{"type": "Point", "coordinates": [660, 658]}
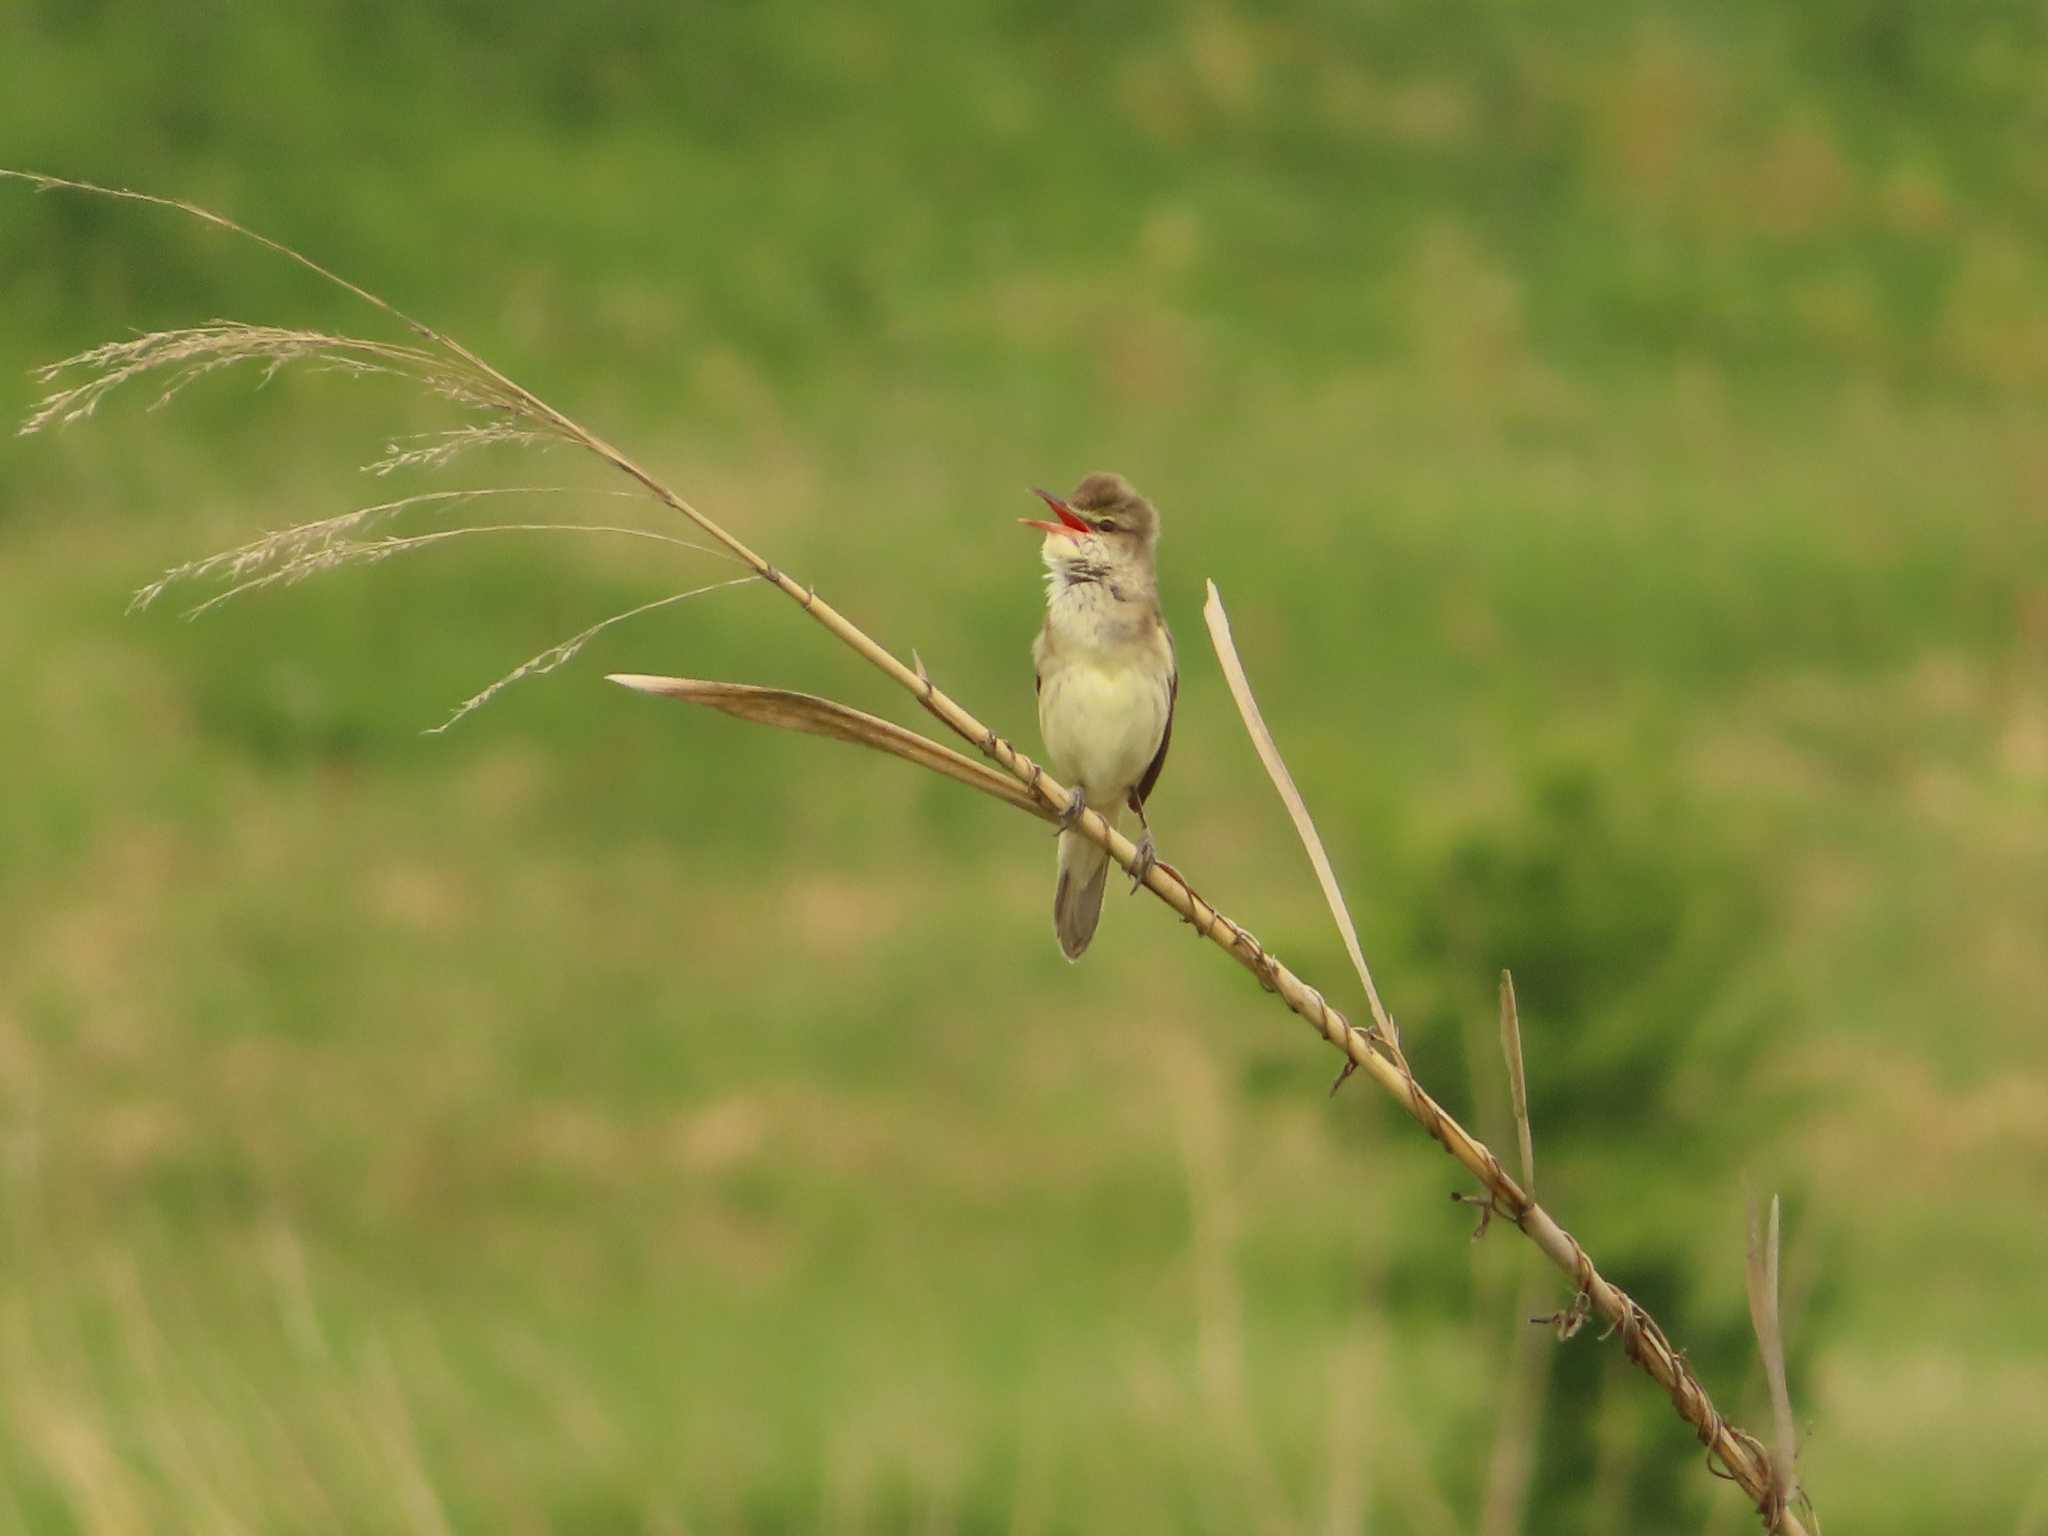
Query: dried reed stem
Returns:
{"type": "Point", "coordinates": [1731, 1452]}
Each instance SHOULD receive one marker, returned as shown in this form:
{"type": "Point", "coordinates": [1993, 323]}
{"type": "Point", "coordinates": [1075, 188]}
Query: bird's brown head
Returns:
{"type": "Point", "coordinates": [1103, 520]}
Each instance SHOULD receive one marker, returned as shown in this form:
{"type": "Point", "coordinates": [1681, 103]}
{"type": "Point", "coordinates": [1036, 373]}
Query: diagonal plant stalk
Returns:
{"type": "Point", "coordinates": [462, 375]}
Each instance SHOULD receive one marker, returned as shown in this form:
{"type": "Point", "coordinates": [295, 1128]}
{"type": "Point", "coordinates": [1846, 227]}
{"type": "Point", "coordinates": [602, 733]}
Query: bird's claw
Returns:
{"type": "Point", "coordinates": [1144, 861]}
{"type": "Point", "coordinates": [1077, 804]}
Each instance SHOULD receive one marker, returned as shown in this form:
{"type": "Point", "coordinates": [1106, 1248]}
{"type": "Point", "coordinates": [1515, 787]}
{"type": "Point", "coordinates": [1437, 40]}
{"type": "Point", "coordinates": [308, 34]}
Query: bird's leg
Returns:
{"type": "Point", "coordinates": [1147, 856]}
{"type": "Point", "coordinates": [1077, 803]}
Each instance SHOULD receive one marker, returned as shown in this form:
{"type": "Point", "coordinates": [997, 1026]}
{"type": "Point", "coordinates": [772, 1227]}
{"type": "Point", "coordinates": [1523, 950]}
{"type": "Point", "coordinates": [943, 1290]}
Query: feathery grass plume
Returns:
{"type": "Point", "coordinates": [437, 450]}
{"type": "Point", "coordinates": [285, 554]}
{"type": "Point", "coordinates": [443, 368]}
{"type": "Point", "coordinates": [339, 552]}
{"type": "Point", "coordinates": [191, 353]}
{"type": "Point", "coordinates": [1373, 1052]}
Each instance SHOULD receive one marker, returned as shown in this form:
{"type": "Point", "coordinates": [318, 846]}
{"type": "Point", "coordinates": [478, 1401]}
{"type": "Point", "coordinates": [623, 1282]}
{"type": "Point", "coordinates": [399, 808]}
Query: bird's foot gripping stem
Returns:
{"type": "Point", "coordinates": [1077, 805]}
{"type": "Point", "coordinates": [1143, 864]}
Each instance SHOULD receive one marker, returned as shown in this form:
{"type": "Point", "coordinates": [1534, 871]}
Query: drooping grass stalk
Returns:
{"type": "Point", "coordinates": [453, 371]}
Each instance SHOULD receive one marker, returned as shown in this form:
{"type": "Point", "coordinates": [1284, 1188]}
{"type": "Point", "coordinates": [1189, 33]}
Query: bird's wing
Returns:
{"type": "Point", "coordinates": [1143, 792]}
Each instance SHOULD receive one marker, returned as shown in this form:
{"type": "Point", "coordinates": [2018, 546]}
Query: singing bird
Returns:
{"type": "Point", "coordinates": [1106, 680]}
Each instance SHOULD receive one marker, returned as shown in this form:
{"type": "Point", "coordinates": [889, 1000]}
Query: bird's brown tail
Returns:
{"type": "Point", "coordinates": [1077, 899]}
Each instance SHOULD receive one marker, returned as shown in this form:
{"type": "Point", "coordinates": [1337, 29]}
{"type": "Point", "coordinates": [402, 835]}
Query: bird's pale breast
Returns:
{"type": "Point", "coordinates": [1102, 715]}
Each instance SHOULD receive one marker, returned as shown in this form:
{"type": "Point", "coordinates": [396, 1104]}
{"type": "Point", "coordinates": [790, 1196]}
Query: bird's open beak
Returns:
{"type": "Point", "coordinates": [1069, 522]}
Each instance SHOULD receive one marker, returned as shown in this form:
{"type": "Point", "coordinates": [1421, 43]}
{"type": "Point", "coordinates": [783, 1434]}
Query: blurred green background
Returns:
{"type": "Point", "coordinates": [1619, 432]}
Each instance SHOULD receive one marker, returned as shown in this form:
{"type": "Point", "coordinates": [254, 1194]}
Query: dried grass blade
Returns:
{"type": "Point", "coordinates": [1283, 781]}
{"type": "Point", "coordinates": [1518, 1083]}
{"type": "Point", "coordinates": [1762, 1276]}
{"type": "Point", "coordinates": [814, 716]}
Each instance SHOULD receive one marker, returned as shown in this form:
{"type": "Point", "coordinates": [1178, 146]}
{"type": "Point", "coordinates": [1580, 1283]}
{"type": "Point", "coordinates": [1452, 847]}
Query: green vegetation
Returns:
{"type": "Point", "coordinates": [1618, 431]}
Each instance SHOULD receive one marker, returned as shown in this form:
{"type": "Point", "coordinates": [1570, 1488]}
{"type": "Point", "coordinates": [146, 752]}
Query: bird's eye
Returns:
{"type": "Point", "coordinates": [1107, 525]}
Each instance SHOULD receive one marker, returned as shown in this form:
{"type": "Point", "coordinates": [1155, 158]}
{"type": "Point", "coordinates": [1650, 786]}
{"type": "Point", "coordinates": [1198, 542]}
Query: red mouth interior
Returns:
{"type": "Point", "coordinates": [1069, 520]}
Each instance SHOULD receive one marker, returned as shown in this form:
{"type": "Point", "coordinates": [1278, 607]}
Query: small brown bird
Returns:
{"type": "Point", "coordinates": [1106, 680]}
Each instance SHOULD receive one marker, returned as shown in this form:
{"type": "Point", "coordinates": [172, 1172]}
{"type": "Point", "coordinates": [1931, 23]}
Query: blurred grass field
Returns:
{"type": "Point", "coordinates": [1618, 432]}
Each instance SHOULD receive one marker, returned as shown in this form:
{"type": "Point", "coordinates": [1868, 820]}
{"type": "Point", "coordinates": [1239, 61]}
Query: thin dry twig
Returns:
{"type": "Point", "coordinates": [1732, 1452]}
{"type": "Point", "coordinates": [1518, 1083]}
{"type": "Point", "coordinates": [563, 653]}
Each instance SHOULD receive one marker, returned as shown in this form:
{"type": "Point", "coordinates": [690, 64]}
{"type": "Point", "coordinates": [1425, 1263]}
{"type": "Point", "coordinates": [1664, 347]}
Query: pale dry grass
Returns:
{"type": "Point", "coordinates": [289, 555]}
